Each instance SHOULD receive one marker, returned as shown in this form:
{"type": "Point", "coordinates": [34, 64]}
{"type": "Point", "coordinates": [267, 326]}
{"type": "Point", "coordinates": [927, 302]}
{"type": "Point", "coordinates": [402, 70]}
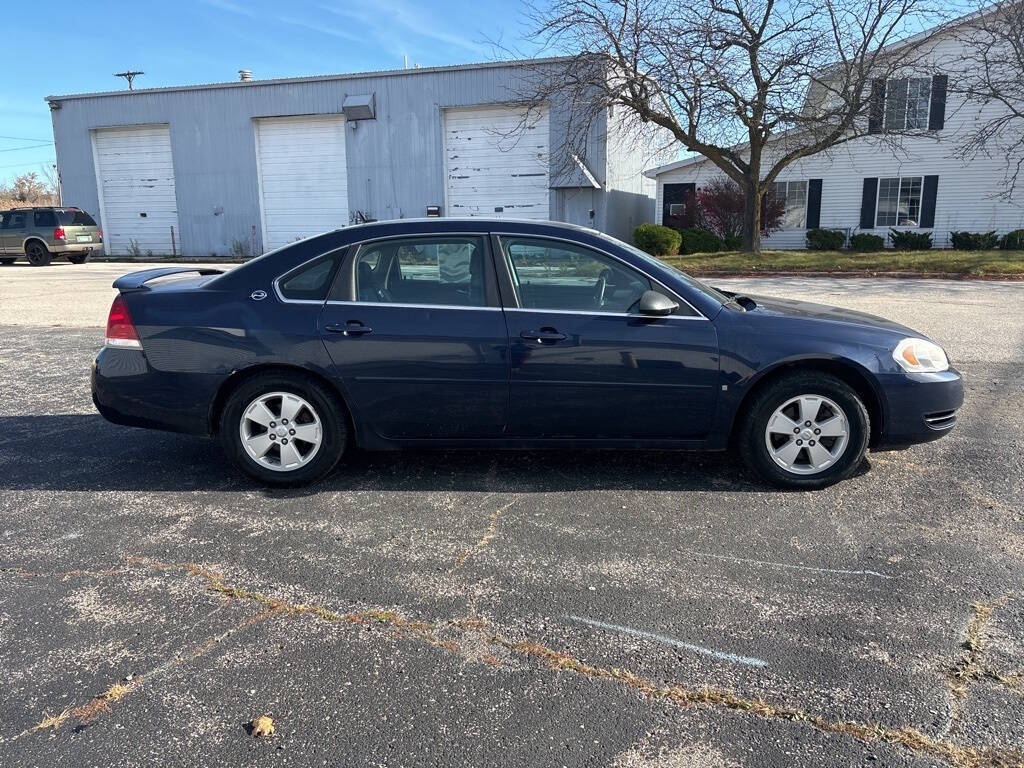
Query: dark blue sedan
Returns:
{"type": "Point", "coordinates": [478, 333]}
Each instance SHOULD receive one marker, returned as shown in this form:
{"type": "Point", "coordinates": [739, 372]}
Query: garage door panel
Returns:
{"type": "Point", "coordinates": [497, 162]}
{"type": "Point", "coordinates": [135, 181]}
{"type": "Point", "coordinates": [303, 177]}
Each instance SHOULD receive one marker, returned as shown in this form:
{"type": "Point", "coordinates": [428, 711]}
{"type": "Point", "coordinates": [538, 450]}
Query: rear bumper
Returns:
{"type": "Point", "coordinates": [919, 407]}
{"type": "Point", "coordinates": [75, 247]}
{"type": "Point", "coordinates": [127, 390]}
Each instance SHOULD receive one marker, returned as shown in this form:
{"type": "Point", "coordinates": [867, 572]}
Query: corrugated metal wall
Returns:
{"type": "Point", "coordinates": [395, 162]}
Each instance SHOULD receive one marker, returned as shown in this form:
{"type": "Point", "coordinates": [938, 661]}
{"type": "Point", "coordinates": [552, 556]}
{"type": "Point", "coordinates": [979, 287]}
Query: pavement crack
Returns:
{"type": "Point", "coordinates": [487, 538]}
{"type": "Point", "coordinates": [909, 738]}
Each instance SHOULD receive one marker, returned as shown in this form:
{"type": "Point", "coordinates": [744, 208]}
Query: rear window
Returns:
{"type": "Point", "coordinates": [76, 219]}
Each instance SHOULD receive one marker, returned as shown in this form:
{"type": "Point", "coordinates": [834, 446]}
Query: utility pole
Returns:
{"type": "Point", "coordinates": [129, 75]}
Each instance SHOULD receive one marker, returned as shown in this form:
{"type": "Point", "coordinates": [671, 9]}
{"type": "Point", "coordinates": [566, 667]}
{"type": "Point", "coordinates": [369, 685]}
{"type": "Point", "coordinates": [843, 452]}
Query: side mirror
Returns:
{"type": "Point", "coordinates": [656, 304]}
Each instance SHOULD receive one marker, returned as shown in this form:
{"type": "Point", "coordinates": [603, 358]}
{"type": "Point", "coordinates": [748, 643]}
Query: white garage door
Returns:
{"type": "Point", "coordinates": [303, 181]}
{"type": "Point", "coordinates": [135, 181]}
{"type": "Point", "coordinates": [494, 165]}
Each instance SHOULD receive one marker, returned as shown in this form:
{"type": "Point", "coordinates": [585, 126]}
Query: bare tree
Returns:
{"type": "Point", "coordinates": [752, 85]}
{"type": "Point", "coordinates": [991, 79]}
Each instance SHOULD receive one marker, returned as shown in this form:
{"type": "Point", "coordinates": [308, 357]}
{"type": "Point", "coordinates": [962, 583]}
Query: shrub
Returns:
{"type": "Point", "coordinates": [656, 239]}
{"type": "Point", "coordinates": [825, 239]}
{"type": "Point", "coordinates": [865, 242]}
{"type": "Point", "coordinates": [1013, 241]}
{"type": "Point", "coordinates": [906, 240]}
{"type": "Point", "coordinates": [699, 241]}
{"type": "Point", "coordinates": [732, 242]}
{"type": "Point", "coordinates": [974, 241]}
{"type": "Point", "coordinates": [720, 209]}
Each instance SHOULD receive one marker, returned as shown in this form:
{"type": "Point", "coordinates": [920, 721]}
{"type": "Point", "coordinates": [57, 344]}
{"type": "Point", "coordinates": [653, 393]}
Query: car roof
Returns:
{"type": "Point", "coordinates": [481, 223]}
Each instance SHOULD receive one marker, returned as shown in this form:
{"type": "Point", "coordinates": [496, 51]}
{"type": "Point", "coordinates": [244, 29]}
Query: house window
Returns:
{"type": "Point", "coordinates": [907, 103]}
{"type": "Point", "coordinates": [899, 202]}
{"type": "Point", "coordinates": [794, 193]}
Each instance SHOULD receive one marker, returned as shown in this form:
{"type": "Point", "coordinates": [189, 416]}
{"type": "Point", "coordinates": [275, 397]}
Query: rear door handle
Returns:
{"type": "Point", "coordinates": [351, 328]}
{"type": "Point", "coordinates": [543, 335]}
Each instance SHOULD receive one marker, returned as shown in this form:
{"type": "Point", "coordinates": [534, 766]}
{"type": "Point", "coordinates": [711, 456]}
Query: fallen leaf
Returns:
{"type": "Point", "coordinates": [262, 726]}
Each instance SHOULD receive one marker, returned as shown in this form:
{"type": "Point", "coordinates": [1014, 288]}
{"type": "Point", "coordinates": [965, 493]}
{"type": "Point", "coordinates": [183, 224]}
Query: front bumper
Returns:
{"type": "Point", "coordinates": [127, 390]}
{"type": "Point", "coordinates": [919, 406]}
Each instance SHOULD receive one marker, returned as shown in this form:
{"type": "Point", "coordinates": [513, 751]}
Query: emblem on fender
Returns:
{"type": "Point", "coordinates": [258, 295]}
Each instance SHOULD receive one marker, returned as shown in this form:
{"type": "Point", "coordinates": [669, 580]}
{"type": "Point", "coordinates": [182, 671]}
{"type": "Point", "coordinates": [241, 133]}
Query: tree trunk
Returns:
{"type": "Point", "coordinates": [752, 219]}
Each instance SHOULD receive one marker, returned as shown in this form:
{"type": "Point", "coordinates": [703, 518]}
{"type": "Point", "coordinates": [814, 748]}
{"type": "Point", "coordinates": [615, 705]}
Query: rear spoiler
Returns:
{"type": "Point", "coordinates": [136, 281]}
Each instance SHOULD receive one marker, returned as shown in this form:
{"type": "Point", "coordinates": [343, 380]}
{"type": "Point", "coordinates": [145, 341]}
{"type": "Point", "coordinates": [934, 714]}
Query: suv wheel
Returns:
{"type": "Point", "coordinates": [283, 429]}
{"type": "Point", "coordinates": [37, 254]}
{"type": "Point", "coordinates": [805, 431]}
{"type": "Point", "coordinates": [79, 258]}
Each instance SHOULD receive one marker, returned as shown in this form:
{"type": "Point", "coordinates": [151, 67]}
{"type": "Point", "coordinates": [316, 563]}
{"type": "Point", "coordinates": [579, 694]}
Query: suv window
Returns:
{"type": "Point", "coordinates": [44, 219]}
{"type": "Point", "coordinates": [553, 275]}
{"type": "Point", "coordinates": [310, 282]}
{"type": "Point", "coordinates": [447, 270]}
{"type": "Point", "coordinates": [73, 218]}
{"type": "Point", "coordinates": [14, 220]}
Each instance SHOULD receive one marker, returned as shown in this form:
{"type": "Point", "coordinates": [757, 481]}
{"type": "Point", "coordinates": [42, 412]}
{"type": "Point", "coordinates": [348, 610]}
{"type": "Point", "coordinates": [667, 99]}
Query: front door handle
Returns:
{"type": "Point", "coordinates": [351, 328]}
{"type": "Point", "coordinates": [550, 335]}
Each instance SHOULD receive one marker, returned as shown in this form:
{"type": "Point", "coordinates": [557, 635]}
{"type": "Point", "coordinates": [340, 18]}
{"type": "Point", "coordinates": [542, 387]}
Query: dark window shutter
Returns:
{"type": "Point", "coordinates": [937, 113]}
{"type": "Point", "coordinates": [867, 204]}
{"type": "Point", "coordinates": [876, 109]}
{"type": "Point", "coordinates": [931, 188]}
{"type": "Point", "coordinates": [814, 203]}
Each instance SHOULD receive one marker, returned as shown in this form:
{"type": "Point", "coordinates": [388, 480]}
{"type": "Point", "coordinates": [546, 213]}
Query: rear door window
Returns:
{"type": "Point", "coordinates": [44, 219]}
{"type": "Point", "coordinates": [310, 282]}
{"type": "Point", "coordinates": [447, 270]}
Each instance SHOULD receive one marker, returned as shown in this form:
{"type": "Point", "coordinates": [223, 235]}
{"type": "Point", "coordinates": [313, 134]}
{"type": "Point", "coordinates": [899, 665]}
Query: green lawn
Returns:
{"type": "Point", "coordinates": [945, 261]}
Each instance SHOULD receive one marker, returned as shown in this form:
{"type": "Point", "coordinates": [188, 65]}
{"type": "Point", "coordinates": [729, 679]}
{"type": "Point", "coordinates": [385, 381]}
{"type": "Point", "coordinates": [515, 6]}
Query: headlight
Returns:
{"type": "Point", "coordinates": [920, 356]}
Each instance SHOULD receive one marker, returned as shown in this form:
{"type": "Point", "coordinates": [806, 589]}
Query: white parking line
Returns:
{"type": "Point", "coordinates": [672, 642]}
{"type": "Point", "coordinates": [794, 567]}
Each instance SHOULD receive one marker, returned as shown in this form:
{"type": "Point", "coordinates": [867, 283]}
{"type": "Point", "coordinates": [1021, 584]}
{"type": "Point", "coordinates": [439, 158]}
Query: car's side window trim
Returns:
{"type": "Point", "coordinates": [343, 292]}
{"type": "Point", "coordinates": [319, 257]}
{"type": "Point", "coordinates": [501, 257]}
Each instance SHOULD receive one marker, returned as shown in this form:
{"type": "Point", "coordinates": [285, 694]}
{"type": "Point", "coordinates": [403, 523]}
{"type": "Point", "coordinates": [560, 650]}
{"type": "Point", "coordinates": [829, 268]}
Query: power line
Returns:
{"type": "Point", "coordinates": [23, 138]}
{"type": "Point", "coordinates": [32, 146]}
{"type": "Point", "coordinates": [25, 165]}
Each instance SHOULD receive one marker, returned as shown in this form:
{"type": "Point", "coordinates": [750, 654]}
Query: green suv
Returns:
{"type": "Point", "coordinates": [39, 234]}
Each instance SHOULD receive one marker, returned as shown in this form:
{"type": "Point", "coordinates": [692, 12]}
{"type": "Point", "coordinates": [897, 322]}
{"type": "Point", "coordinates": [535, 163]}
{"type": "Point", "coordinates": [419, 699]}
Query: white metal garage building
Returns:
{"type": "Point", "coordinates": [246, 166]}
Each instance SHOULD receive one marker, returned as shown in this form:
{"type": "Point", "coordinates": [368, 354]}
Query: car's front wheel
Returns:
{"type": "Point", "coordinates": [37, 254]}
{"type": "Point", "coordinates": [283, 429]}
{"type": "Point", "coordinates": [805, 430]}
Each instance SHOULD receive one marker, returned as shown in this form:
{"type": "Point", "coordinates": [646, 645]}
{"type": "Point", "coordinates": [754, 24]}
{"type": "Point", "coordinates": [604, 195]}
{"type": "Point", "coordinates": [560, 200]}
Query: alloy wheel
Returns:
{"type": "Point", "coordinates": [281, 431]}
{"type": "Point", "coordinates": [807, 434]}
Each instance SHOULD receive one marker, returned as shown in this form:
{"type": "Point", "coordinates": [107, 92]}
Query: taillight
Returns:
{"type": "Point", "coordinates": [120, 328]}
{"type": "Point", "coordinates": [58, 234]}
{"type": "Point", "coordinates": [99, 233]}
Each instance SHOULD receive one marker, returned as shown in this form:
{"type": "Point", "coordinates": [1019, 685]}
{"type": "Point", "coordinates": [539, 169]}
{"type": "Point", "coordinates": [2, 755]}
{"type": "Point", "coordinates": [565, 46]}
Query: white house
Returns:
{"type": "Point", "coordinates": [865, 185]}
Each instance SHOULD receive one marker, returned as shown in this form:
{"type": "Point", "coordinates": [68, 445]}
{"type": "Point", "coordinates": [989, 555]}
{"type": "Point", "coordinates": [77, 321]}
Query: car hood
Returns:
{"type": "Point", "coordinates": [804, 309]}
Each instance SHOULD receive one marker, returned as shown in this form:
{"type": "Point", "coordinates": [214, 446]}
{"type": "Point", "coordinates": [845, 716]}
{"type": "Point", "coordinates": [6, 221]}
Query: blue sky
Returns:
{"type": "Point", "coordinates": [76, 47]}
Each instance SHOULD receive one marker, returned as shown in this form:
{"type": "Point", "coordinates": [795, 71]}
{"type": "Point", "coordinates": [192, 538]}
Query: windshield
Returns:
{"type": "Point", "coordinates": [694, 283]}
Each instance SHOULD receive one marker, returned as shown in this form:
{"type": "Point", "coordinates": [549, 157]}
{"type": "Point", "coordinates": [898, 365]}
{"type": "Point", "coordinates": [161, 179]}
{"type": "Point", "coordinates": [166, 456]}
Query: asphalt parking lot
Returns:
{"type": "Point", "coordinates": [649, 610]}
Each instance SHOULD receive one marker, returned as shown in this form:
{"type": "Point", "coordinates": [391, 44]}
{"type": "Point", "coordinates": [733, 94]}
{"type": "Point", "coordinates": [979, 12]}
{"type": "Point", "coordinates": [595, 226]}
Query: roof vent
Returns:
{"type": "Point", "coordinates": [245, 75]}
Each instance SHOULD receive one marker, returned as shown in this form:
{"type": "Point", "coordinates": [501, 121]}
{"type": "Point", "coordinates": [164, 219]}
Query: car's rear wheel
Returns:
{"type": "Point", "coordinates": [79, 258]}
{"type": "Point", "coordinates": [37, 254]}
{"type": "Point", "coordinates": [283, 429]}
{"type": "Point", "coordinates": [805, 430]}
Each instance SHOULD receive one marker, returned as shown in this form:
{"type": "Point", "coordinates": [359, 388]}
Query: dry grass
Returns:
{"type": "Point", "coordinates": [946, 261]}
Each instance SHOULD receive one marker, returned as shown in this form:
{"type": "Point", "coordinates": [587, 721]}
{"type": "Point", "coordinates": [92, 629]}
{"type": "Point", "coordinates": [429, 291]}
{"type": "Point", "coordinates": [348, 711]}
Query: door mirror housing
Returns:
{"type": "Point", "coordinates": [656, 304]}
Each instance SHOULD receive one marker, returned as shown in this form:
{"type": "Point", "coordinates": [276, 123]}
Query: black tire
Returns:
{"type": "Point", "coordinates": [37, 254]}
{"type": "Point", "coordinates": [79, 258]}
{"type": "Point", "coordinates": [8, 261]}
{"type": "Point", "coordinates": [752, 440]}
{"type": "Point", "coordinates": [328, 407]}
